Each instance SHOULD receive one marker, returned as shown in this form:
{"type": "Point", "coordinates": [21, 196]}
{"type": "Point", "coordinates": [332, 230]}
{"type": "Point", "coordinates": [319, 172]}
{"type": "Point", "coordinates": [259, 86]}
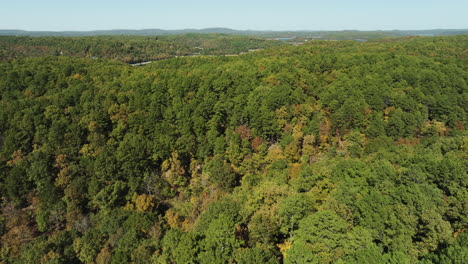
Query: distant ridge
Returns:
{"type": "Point", "coordinates": [261, 33]}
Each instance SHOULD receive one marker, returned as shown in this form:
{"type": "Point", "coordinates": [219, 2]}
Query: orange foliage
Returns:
{"type": "Point", "coordinates": [368, 111]}
{"type": "Point", "coordinates": [60, 161]}
{"type": "Point", "coordinates": [297, 110]}
{"type": "Point", "coordinates": [16, 158]}
{"type": "Point", "coordinates": [460, 125]}
{"type": "Point", "coordinates": [104, 257]}
{"type": "Point", "coordinates": [244, 132]}
{"type": "Point", "coordinates": [387, 111]}
{"type": "Point", "coordinates": [287, 128]}
{"type": "Point", "coordinates": [144, 202]}
{"type": "Point", "coordinates": [141, 203]}
{"type": "Point", "coordinates": [77, 76]}
{"type": "Point", "coordinates": [440, 127]}
{"type": "Point", "coordinates": [174, 220]}
{"type": "Point", "coordinates": [19, 230]}
{"type": "Point", "coordinates": [256, 142]}
{"type": "Point", "coordinates": [283, 247]}
{"type": "Point", "coordinates": [118, 112]}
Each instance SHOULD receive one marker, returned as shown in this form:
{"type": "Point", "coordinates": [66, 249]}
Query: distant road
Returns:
{"type": "Point", "coordinates": [142, 63]}
{"type": "Point", "coordinates": [193, 55]}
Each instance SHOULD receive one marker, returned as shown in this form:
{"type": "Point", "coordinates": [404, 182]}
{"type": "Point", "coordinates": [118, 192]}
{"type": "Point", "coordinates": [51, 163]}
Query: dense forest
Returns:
{"type": "Point", "coordinates": [131, 49]}
{"type": "Point", "coordinates": [328, 152]}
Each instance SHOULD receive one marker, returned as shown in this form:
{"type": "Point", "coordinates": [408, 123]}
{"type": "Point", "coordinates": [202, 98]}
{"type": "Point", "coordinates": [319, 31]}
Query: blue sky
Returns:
{"type": "Point", "coordinates": [236, 14]}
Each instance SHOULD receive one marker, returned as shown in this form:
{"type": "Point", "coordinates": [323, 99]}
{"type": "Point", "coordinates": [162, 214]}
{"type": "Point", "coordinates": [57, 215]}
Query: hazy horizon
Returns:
{"type": "Point", "coordinates": [227, 28]}
{"type": "Point", "coordinates": [295, 15]}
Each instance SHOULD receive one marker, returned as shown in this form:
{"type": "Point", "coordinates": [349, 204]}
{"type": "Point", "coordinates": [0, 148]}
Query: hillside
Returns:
{"type": "Point", "coordinates": [340, 35]}
{"type": "Point", "coordinates": [328, 152]}
{"type": "Point", "coordinates": [131, 49]}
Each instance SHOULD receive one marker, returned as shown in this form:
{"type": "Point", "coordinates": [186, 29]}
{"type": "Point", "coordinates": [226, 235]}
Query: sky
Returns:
{"type": "Point", "coordinates": [60, 15]}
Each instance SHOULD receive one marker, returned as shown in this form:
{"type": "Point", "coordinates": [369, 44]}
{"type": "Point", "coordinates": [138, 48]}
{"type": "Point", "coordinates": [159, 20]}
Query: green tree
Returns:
{"type": "Point", "coordinates": [220, 242]}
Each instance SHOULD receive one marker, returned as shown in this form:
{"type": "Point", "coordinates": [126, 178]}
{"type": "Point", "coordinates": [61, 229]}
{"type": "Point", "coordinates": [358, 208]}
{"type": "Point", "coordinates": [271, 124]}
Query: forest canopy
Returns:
{"type": "Point", "coordinates": [328, 152]}
{"type": "Point", "coordinates": [131, 49]}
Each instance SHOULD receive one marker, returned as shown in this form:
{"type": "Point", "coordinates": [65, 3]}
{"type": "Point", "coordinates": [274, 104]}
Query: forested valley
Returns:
{"type": "Point", "coordinates": [327, 152]}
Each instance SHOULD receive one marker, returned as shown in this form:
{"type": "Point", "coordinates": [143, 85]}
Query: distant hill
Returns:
{"type": "Point", "coordinates": [345, 34]}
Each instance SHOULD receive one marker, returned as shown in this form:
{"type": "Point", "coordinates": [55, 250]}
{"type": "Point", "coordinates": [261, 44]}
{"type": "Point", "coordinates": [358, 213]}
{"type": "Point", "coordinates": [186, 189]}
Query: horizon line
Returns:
{"type": "Point", "coordinates": [226, 28]}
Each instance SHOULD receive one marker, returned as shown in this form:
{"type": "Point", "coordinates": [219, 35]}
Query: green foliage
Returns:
{"type": "Point", "coordinates": [455, 253]}
{"type": "Point", "coordinates": [109, 196]}
{"type": "Point", "coordinates": [219, 242]}
{"type": "Point", "coordinates": [88, 246]}
{"type": "Point", "coordinates": [328, 152]}
{"type": "Point", "coordinates": [255, 255]}
{"type": "Point", "coordinates": [180, 247]}
{"type": "Point", "coordinates": [56, 249]}
{"type": "Point", "coordinates": [224, 208]}
{"type": "Point", "coordinates": [321, 235]}
{"type": "Point", "coordinates": [292, 209]}
{"type": "Point", "coordinates": [221, 173]}
{"type": "Point", "coordinates": [375, 254]}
